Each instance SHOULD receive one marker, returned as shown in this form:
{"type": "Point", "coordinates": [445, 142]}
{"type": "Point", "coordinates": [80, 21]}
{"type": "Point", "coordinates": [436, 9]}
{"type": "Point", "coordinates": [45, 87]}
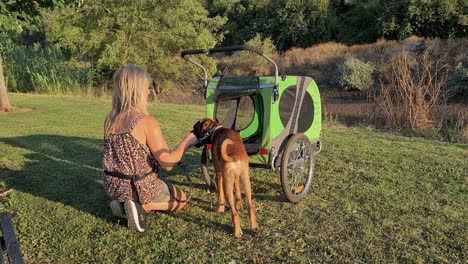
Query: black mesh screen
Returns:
{"type": "Point", "coordinates": [286, 104]}
{"type": "Point", "coordinates": [306, 114]}
{"type": "Point", "coordinates": [235, 87]}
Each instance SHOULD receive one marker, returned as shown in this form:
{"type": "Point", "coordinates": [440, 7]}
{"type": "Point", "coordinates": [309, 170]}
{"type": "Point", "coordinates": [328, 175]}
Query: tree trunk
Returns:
{"type": "Point", "coordinates": [4, 102]}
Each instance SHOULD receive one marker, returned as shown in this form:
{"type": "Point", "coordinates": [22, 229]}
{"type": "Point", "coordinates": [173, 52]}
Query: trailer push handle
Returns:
{"type": "Point", "coordinates": [185, 54]}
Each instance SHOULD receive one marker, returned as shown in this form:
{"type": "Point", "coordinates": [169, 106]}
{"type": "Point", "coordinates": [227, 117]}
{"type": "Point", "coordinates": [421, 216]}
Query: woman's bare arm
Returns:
{"type": "Point", "coordinates": [166, 157]}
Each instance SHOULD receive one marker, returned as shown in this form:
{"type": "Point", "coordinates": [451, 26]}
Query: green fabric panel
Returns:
{"type": "Point", "coordinates": [213, 82]}
{"type": "Point", "coordinates": [259, 159]}
{"type": "Point", "coordinates": [210, 93]}
{"type": "Point", "coordinates": [268, 80]}
{"type": "Point", "coordinates": [266, 133]}
{"type": "Point", "coordinates": [210, 103]}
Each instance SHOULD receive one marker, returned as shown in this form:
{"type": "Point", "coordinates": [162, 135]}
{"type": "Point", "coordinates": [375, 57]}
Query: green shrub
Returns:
{"type": "Point", "coordinates": [355, 74]}
{"type": "Point", "coordinates": [457, 83]}
{"type": "Point", "coordinates": [247, 63]}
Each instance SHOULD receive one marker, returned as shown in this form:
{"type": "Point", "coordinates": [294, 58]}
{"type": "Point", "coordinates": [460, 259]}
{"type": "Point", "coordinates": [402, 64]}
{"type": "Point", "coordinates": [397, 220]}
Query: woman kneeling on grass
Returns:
{"type": "Point", "coordinates": [134, 149]}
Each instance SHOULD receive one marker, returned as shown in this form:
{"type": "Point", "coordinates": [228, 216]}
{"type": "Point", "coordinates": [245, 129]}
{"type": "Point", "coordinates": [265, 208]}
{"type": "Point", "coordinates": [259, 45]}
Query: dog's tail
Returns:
{"type": "Point", "coordinates": [227, 150]}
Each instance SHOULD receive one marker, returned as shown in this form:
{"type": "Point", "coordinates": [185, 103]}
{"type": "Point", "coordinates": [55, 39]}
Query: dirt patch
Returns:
{"type": "Point", "coordinates": [17, 110]}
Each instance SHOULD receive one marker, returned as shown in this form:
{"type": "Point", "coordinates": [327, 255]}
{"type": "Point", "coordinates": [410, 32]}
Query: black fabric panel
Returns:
{"type": "Point", "coordinates": [230, 119]}
{"type": "Point", "coordinates": [228, 94]}
{"type": "Point", "coordinates": [252, 145]}
{"type": "Point", "coordinates": [286, 104]}
{"type": "Point", "coordinates": [306, 114]}
{"type": "Point", "coordinates": [299, 91]}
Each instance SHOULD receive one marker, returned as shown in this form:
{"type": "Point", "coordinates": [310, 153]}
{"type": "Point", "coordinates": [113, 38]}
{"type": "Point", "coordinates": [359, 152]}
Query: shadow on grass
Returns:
{"type": "Point", "coordinates": [61, 169]}
{"type": "Point", "coordinates": [203, 221]}
{"type": "Point", "coordinates": [261, 187]}
{"type": "Point", "coordinates": [68, 170]}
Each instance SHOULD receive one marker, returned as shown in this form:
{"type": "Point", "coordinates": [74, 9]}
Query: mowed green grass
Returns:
{"type": "Point", "coordinates": [375, 198]}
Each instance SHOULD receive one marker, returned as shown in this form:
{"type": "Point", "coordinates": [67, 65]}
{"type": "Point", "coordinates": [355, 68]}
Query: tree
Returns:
{"type": "Point", "coordinates": [301, 23]}
{"type": "Point", "coordinates": [4, 101]}
{"type": "Point", "coordinates": [244, 63]}
{"type": "Point", "coordinates": [368, 20]}
{"type": "Point", "coordinates": [430, 18]}
{"type": "Point", "coordinates": [358, 21]}
{"type": "Point", "coordinates": [145, 32]}
{"type": "Point", "coordinates": [12, 24]}
{"type": "Point", "coordinates": [289, 23]}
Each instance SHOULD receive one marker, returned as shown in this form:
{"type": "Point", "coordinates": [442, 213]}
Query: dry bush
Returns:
{"type": "Point", "coordinates": [411, 88]}
{"type": "Point", "coordinates": [182, 98]}
{"type": "Point", "coordinates": [414, 94]}
{"type": "Point", "coordinates": [319, 61]}
{"type": "Point", "coordinates": [453, 51]}
{"type": "Point", "coordinates": [177, 92]}
{"type": "Point", "coordinates": [409, 91]}
{"type": "Point", "coordinates": [321, 53]}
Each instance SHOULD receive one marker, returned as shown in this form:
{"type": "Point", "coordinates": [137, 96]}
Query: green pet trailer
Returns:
{"type": "Point", "coordinates": [279, 119]}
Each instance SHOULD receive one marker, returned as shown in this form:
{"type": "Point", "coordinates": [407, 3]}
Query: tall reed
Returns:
{"type": "Point", "coordinates": [44, 70]}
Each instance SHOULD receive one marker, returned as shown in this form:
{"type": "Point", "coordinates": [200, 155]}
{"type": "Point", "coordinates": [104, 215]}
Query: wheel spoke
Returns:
{"type": "Point", "coordinates": [296, 168]}
{"type": "Point", "coordinates": [299, 167]}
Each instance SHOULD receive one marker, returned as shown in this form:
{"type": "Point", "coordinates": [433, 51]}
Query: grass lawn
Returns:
{"type": "Point", "coordinates": [375, 198]}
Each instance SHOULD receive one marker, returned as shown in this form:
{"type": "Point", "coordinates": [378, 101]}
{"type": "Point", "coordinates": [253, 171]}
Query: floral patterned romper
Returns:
{"type": "Point", "coordinates": [126, 155]}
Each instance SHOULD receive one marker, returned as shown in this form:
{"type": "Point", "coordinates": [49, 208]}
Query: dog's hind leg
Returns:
{"type": "Point", "coordinates": [248, 194]}
{"type": "Point", "coordinates": [237, 184]}
{"type": "Point", "coordinates": [229, 191]}
{"type": "Point", "coordinates": [220, 191]}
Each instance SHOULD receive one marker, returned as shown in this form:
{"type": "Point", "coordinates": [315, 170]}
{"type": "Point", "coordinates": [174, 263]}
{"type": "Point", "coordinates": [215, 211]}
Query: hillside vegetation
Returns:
{"type": "Point", "coordinates": [403, 68]}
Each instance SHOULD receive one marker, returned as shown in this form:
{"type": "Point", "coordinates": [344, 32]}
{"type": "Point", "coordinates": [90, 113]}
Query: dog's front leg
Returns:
{"type": "Point", "coordinates": [220, 190]}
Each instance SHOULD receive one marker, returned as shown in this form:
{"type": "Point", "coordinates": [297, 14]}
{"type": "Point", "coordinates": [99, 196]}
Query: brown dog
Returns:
{"type": "Point", "coordinates": [231, 166]}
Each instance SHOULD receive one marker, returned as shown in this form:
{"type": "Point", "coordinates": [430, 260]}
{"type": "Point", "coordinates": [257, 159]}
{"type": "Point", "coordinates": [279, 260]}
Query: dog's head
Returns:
{"type": "Point", "coordinates": [203, 127]}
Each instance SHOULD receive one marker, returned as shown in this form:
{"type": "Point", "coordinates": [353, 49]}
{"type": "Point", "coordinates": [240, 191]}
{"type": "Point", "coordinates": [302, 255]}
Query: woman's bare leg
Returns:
{"type": "Point", "coordinates": [170, 204]}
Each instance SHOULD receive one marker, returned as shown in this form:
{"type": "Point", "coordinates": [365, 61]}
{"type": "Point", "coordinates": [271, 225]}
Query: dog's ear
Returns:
{"type": "Point", "coordinates": [208, 124]}
{"type": "Point", "coordinates": [197, 129]}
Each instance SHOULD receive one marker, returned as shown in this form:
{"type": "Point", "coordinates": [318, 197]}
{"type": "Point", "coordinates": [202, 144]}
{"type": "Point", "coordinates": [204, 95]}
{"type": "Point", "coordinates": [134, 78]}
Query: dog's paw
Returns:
{"type": "Point", "coordinates": [257, 232]}
{"type": "Point", "coordinates": [211, 188]}
{"type": "Point", "coordinates": [220, 210]}
{"type": "Point", "coordinates": [239, 206]}
{"type": "Point", "coordinates": [238, 234]}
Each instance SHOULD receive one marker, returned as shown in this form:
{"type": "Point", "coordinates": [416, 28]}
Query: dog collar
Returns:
{"type": "Point", "coordinates": [212, 131]}
{"type": "Point", "coordinates": [208, 138]}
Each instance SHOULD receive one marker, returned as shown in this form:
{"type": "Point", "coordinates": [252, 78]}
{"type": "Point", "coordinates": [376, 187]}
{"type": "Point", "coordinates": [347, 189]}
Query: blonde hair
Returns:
{"type": "Point", "coordinates": [130, 83]}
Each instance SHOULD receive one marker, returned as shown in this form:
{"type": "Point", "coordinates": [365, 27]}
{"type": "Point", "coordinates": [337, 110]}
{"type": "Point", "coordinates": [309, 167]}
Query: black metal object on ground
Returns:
{"type": "Point", "coordinates": [9, 241]}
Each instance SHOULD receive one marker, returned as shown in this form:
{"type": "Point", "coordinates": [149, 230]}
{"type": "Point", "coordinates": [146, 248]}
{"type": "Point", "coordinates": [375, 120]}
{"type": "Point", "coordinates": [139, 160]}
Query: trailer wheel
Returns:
{"type": "Point", "coordinates": [297, 167]}
{"type": "Point", "coordinates": [207, 168]}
